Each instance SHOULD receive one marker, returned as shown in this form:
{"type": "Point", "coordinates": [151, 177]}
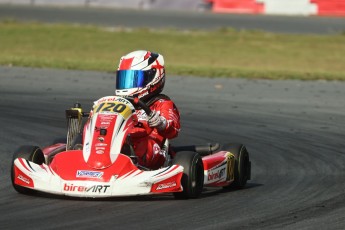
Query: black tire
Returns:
{"type": "Point", "coordinates": [242, 165]}
{"type": "Point", "coordinates": [193, 174]}
{"type": "Point", "coordinates": [30, 153]}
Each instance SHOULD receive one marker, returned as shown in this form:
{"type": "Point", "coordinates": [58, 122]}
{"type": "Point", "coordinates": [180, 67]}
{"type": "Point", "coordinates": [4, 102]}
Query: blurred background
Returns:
{"type": "Point", "coordinates": [281, 7]}
{"type": "Point", "coordinates": [275, 39]}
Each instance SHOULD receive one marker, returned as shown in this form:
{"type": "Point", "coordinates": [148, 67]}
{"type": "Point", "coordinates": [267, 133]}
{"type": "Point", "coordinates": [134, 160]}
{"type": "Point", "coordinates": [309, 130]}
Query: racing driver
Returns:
{"type": "Point", "coordinates": [142, 74]}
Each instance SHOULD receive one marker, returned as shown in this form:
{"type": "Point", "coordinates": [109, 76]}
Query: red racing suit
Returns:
{"type": "Point", "coordinates": [148, 147]}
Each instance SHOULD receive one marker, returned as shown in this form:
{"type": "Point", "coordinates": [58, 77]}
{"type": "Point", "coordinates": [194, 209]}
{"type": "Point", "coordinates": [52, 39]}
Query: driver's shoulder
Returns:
{"type": "Point", "coordinates": [159, 98]}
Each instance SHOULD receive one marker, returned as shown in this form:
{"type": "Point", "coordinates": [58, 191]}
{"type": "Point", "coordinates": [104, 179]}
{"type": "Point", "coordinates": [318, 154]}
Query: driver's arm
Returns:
{"type": "Point", "coordinates": [167, 118]}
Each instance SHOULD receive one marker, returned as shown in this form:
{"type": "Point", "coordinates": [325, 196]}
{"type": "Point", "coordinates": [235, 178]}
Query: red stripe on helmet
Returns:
{"type": "Point", "coordinates": [147, 55]}
{"type": "Point", "coordinates": [159, 67]}
{"type": "Point", "coordinates": [126, 64]}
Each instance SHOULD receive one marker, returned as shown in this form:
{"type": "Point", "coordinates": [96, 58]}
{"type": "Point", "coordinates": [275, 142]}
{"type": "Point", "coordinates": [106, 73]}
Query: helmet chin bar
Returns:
{"type": "Point", "coordinates": [127, 92]}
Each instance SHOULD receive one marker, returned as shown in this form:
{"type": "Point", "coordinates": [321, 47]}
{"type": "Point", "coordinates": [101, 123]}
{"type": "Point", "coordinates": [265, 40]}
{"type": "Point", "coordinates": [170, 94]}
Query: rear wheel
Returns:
{"type": "Point", "coordinates": [193, 174]}
{"type": "Point", "coordinates": [242, 165]}
{"type": "Point", "coordinates": [30, 153]}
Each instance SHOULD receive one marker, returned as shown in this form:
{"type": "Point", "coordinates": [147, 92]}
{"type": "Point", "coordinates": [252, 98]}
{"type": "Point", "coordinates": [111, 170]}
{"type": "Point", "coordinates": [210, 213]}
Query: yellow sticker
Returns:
{"type": "Point", "coordinates": [113, 107]}
{"type": "Point", "coordinates": [230, 166]}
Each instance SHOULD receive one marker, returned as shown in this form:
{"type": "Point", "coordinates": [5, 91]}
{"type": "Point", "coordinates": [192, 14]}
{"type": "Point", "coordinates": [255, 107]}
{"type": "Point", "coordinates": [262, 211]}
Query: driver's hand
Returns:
{"type": "Point", "coordinates": [156, 121]}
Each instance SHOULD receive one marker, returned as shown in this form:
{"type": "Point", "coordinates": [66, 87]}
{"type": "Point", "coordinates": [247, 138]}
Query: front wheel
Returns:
{"type": "Point", "coordinates": [193, 174]}
{"type": "Point", "coordinates": [242, 168]}
{"type": "Point", "coordinates": [30, 153]}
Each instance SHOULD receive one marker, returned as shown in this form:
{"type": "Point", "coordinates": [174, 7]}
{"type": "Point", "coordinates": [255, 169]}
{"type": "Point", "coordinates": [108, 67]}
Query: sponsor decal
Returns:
{"type": "Point", "coordinates": [89, 174]}
{"type": "Point", "coordinates": [141, 115]}
{"type": "Point", "coordinates": [87, 147]}
{"type": "Point", "coordinates": [91, 189]}
{"type": "Point", "coordinates": [101, 144]}
{"type": "Point", "coordinates": [216, 175]}
{"type": "Point", "coordinates": [101, 139]}
{"type": "Point", "coordinates": [166, 185]}
{"type": "Point", "coordinates": [145, 93]}
{"type": "Point", "coordinates": [105, 123]}
{"type": "Point", "coordinates": [99, 151]}
{"type": "Point", "coordinates": [24, 179]}
{"type": "Point", "coordinates": [156, 149]}
{"type": "Point", "coordinates": [107, 118]}
{"type": "Point", "coordinates": [119, 99]}
{"type": "Point", "coordinates": [230, 166]}
{"type": "Point", "coordinates": [111, 98]}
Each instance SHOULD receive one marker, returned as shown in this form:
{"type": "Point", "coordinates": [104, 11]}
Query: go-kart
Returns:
{"type": "Point", "coordinates": [97, 159]}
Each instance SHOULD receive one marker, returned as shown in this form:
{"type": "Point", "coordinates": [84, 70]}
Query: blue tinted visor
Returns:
{"type": "Point", "coordinates": [127, 79]}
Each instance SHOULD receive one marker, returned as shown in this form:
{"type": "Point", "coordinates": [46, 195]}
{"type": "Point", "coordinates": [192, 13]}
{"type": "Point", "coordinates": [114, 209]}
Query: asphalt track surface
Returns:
{"type": "Point", "coordinates": [293, 130]}
{"type": "Point", "coordinates": [173, 19]}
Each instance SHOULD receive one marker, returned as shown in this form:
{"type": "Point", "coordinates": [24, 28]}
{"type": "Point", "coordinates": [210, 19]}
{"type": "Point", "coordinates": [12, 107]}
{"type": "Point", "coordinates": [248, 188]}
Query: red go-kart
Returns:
{"type": "Point", "coordinates": [97, 159]}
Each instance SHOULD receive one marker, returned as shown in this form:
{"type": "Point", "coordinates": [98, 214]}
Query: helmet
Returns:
{"type": "Point", "coordinates": [140, 74]}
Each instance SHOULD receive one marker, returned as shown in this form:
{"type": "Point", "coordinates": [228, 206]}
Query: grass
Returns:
{"type": "Point", "coordinates": [221, 53]}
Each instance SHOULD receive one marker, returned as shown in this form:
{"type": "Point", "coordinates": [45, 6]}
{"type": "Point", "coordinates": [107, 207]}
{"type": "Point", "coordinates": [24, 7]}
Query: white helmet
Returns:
{"type": "Point", "coordinates": [140, 74]}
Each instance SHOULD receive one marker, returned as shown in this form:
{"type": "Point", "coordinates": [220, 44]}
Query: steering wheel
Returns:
{"type": "Point", "coordinates": [145, 107]}
{"type": "Point", "coordinates": [141, 103]}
